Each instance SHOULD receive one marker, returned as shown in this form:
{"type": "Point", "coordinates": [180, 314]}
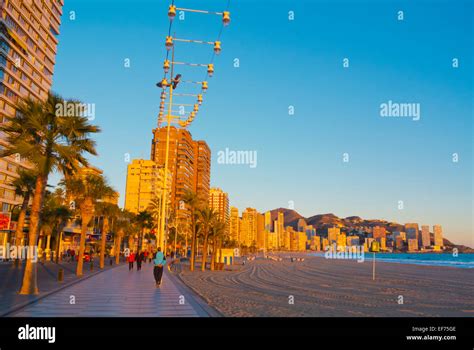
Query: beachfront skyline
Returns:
{"type": "Point", "coordinates": [300, 156]}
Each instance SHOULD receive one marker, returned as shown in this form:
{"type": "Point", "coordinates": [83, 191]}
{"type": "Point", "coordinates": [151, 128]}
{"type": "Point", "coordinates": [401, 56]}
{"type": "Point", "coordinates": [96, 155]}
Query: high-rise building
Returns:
{"type": "Point", "coordinates": [280, 229]}
{"type": "Point", "coordinates": [189, 163]}
{"type": "Point", "coordinates": [310, 232]}
{"type": "Point", "coordinates": [272, 242]}
{"type": "Point", "coordinates": [144, 183]}
{"type": "Point", "coordinates": [411, 230]}
{"type": "Point", "coordinates": [268, 221]}
{"type": "Point", "coordinates": [234, 224]}
{"type": "Point", "coordinates": [425, 236]}
{"type": "Point", "coordinates": [341, 240]}
{"type": "Point", "coordinates": [219, 201]}
{"type": "Point", "coordinates": [438, 236]}
{"type": "Point", "coordinates": [261, 232]}
{"type": "Point", "coordinates": [412, 244]}
{"type": "Point", "coordinates": [297, 240]}
{"type": "Point", "coordinates": [203, 173]}
{"type": "Point", "coordinates": [333, 232]}
{"type": "Point", "coordinates": [248, 227]}
{"type": "Point", "coordinates": [301, 225]}
{"type": "Point", "coordinates": [28, 41]}
{"type": "Point", "coordinates": [315, 243]}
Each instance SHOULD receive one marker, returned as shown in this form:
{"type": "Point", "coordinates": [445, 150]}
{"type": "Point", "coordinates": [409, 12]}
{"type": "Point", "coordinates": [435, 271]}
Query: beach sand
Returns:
{"type": "Point", "coordinates": [322, 287]}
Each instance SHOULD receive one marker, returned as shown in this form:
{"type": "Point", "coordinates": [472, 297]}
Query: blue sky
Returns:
{"type": "Point", "coordinates": [296, 63]}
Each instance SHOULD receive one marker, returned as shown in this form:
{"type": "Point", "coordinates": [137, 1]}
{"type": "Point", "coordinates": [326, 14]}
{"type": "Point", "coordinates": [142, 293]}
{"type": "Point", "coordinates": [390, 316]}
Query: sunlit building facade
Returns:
{"type": "Point", "coordinates": [438, 236]}
{"type": "Point", "coordinates": [219, 202]}
{"type": "Point", "coordinates": [248, 227]}
{"type": "Point", "coordinates": [234, 224]}
{"type": "Point", "coordinates": [28, 42]}
{"type": "Point", "coordinates": [189, 163]}
{"type": "Point", "coordinates": [144, 184]}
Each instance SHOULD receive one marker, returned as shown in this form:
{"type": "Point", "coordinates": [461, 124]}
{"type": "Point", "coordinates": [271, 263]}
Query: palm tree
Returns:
{"type": "Point", "coordinates": [218, 235]}
{"type": "Point", "coordinates": [54, 217]}
{"type": "Point", "coordinates": [144, 220]}
{"type": "Point", "coordinates": [193, 202]}
{"type": "Point", "coordinates": [207, 218]}
{"type": "Point", "coordinates": [123, 227]}
{"type": "Point", "coordinates": [51, 142]}
{"type": "Point", "coordinates": [24, 187]}
{"type": "Point", "coordinates": [108, 211]}
{"type": "Point", "coordinates": [86, 191]}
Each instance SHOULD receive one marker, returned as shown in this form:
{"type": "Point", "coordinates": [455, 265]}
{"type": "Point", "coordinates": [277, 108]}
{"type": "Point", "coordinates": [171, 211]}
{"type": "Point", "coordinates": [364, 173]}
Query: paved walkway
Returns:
{"type": "Point", "coordinates": [123, 293]}
{"type": "Point", "coordinates": [11, 277]}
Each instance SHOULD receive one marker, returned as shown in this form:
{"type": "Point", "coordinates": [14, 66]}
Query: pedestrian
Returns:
{"type": "Point", "coordinates": [139, 259]}
{"type": "Point", "coordinates": [159, 262]}
{"type": "Point", "coordinates": [145, 256]}
{"type": "Point", "coordinates": [131, 260]}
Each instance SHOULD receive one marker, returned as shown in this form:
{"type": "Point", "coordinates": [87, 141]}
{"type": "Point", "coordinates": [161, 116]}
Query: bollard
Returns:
{"type": "Point", "coordinates": [111, 262]}
{"type": "Point", "coordinates": [60, 275]}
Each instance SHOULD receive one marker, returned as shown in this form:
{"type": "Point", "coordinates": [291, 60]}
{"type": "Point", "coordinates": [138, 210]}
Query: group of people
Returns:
{"type": "Point", "coordinates": [159, 261]}
{"type": "Point", "coordinates": [70, 254]}
{"type": "Point", "coordinates": [139, 258]}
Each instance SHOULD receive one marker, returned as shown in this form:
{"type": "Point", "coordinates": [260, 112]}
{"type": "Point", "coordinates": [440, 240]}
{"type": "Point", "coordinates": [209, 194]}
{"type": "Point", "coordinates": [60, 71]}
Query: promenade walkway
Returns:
{"type": "Point", "coordinates": [122, 293]}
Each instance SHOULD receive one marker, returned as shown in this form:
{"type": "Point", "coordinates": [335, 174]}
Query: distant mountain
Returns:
{"type": "Point", "coordinates": [291, 216]}
{"type": "Point", "coordinates": [322, 221]}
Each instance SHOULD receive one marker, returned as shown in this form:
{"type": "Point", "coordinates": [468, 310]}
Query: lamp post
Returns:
{"type": "Point", "coordinates": [168, 67]}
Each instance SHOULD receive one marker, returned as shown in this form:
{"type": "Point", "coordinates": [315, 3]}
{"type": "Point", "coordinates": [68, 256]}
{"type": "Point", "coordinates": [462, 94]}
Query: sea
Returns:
{"type": "Point", "coordinates": [464, 261]}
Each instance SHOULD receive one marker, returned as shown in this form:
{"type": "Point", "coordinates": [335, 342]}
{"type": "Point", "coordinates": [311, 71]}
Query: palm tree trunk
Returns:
{"type": "Point", "coordinates": [117, 249]}
{"type": "Point", "coordinates": [86, 214]}
{"type": "Point", "coordinates": [58, 243]}
{"type": "Point", "coordinates": [102, 242]}
{"type": "Point", "coordinates": [21, 219]}
{"type": "Point", "coordinates": [219, 249]}
{"type": "Point", "coordinates": [204, 253]}
{"type": "Point", "coordinates": [213, 256]}
{"type": "Point", "coordinates": [193, 248]}
{"type": "Point", "coordinates": [30, 283]}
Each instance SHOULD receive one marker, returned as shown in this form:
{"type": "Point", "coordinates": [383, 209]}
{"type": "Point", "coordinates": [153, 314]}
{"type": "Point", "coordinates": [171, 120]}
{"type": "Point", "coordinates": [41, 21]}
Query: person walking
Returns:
{"type": "Point", "coordinates": [159, 262]}
{"type": "Point", "coordinates": [131, 260]}
{"type": "Point", "coordinates": [145, 256]}
{"type": "Point", "coordinates": [139, 261]}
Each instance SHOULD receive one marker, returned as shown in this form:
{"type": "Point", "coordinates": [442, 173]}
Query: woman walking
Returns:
{"type": "Point", "coordinates": [131, 260]}
{"type": "Point", "coordinates": [159, 262]}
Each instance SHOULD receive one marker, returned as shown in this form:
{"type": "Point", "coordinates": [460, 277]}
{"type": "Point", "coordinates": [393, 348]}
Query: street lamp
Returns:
{"type": "Point", "coordinates": [169, 42]}
{"type": "Point", "coordinates": [226, 18]}
{"type": "Point", "coordinates": [171, 84]}
{"type": "Point", "coordinates": [172, 12]}
{"type": "Point", "coordinates": [210, 69]}
{"type": "Point", "coordinates": [217, 47]}
{"type": "Point", "coordinates": [166, 66]}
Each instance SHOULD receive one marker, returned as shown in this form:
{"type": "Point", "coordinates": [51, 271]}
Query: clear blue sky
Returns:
{"type": "Point", "coordinates": [295, 63]}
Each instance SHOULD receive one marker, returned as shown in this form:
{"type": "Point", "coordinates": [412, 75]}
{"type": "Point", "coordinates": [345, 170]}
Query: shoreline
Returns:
{"type": "Point", "coordinates": [387, 257]}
